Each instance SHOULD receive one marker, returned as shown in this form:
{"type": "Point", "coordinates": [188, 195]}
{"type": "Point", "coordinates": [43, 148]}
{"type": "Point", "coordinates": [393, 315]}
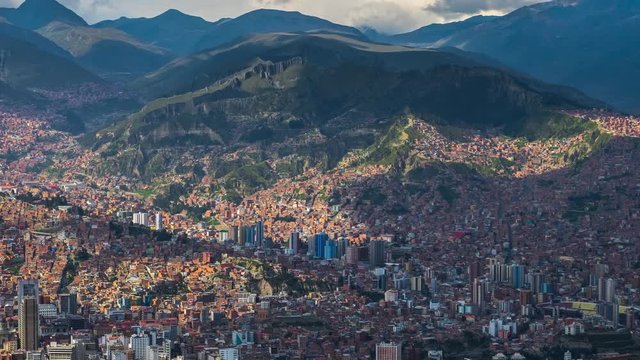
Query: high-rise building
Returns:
{"type": "Point", "coordinates": [352, 255]}
{"type": "Point", "coordinates": [416, 283]}
{"type": "Point", "coordinates": [376, 253]}
{"type": "Point", "coordinates": [259, 234]}
{"type": "Point", "coordinates": [28, 288]}
{"type": "Point", "coordinates": [478, 293]}
{"type": "Point", "coordinates": [330, 249]}
{"type": "Point", "coordinates": [320, 241]}
{"type": "Point", "coordinates": [388, 351]}
{"type": "Point", "coordinates": [610, 290]}
{"type": "Point", "coordinates": [381, 282]}
{"type": "Point", "coordinates": [294, 242]}
{"type": "Point", "coordinates": [139, 344]}
{"type": "Point", "coordinates": [68, 303]}
{"type": "Point", "coordinates": [159, 223]}
{"type": "Point", "coordinates": [631, 319]}
{"type": "Point", "coordinates": [517, 276]}
{"type": "Point", "coordinates": [341, 251]}
{"type": "Point", "coordinates": [28, 315]}
{"type": "Point", "coordinates": [242, 235]}
{"type": "Point", "coordinates": [233, 234]}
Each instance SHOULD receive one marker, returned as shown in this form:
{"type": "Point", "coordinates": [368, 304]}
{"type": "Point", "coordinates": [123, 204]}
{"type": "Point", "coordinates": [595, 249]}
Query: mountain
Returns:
{"type": "Point", "coordinates": [172, 30]}
{"type": "Point", "coordinates": [430, 34]}
{"type": "Point", "coordinates": [105, 50]}
{"type": "Point", "coordinates": [196, 71]}
{"type": "Point", "coordinates": [10, 30]}
{"type": "Point", "coordinates": [269, 21]}
{"type": "Point", "coordinates": [592, 45]}
{"type": "Point", "coordinates": [34, 14]}
{"type": "Point", "coordinates": [29, 65]}
{"type": "Point", "coordinates": [277, 104]}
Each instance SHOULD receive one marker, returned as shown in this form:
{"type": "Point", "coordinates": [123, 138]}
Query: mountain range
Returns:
{"type": "Point", "coordinates": [276, 105]}
{"type": "Point", "coordinates": [587, 44]}
{"type": "Point", "coordinates": [270, 94]}
{"type": "Point", "coordinates": [592, 45]}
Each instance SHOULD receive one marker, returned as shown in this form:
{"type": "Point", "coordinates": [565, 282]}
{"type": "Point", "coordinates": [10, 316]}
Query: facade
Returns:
{"type": "Point", "coordinates": [388, 351]}
{"type": "Point", "coordinates": [229, 354]}
{"type": "Point", "coordinates": [68, 303]}
{"type": "Point", "coordinates": [141, 218]}
{"type": "Point", "coordinates": [376, 253]}
{"type": "Point", "coordinates": [159, 223]}
{"type": "Point", "coordinates": [57, 351]}
{"type": "Point", "coordinates": [139, 344]}
{"type": "Point", "coordinates": [28, 323]}
{"type": "Point", "coordinates": [294, 242]}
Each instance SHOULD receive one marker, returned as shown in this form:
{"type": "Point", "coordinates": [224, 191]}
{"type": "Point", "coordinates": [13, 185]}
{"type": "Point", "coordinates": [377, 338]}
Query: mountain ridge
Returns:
{"type": "Point", "coordinates": [34, 14]}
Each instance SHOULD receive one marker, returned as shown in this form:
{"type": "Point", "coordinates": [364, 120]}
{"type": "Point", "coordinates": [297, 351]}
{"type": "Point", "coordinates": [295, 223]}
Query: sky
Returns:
{"type": "Point", "coordinates": [388, 16]}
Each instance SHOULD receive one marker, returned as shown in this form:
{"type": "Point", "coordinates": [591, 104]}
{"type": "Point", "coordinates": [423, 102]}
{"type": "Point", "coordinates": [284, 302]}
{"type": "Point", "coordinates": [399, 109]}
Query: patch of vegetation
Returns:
{"type": "Point", "coordinates": [497, 166]}
{"type": "Point", "coordinates": [583, 205]}
{"type": "Point", "coordinates": [396, 142]}
{"type": "Point", "coordinates": [373, 196]}
{"type": "Point", "coordinates": [448, 193]}
{"type": "Point", "coordinates": [146, 193]}
{"type": "Point", "coordinates": [547, 125]}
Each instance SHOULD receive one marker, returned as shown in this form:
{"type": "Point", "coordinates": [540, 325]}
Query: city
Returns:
{"type": "Point", "coordinates": [234, 219]}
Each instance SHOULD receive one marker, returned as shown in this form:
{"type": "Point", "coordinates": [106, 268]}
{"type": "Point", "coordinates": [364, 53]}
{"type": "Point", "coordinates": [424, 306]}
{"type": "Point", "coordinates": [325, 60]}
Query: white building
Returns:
{"type": "Point", "coordinates": [57, 351]}
{"type": "Point", "coordinates": [48, 310]}
{"type": "Point", "coordinates": [391, 296]}
{"type": "Point", "coordinates": [229, 354]}
{"type": "Point", "coordinates": [141, 218]}
{"type": "Point", "coordinates": [159, 223]}
{"type": "Point", "coordinates": [388, 351]}
{"type": "Point", "coordinates": [139, 343]}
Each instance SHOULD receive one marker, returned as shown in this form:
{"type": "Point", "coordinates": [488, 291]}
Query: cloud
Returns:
{"type": "Point", "coordinates": [9, 3]}
{"type": "Point", "coordinates": [386, 16]}
{"type": "Point", "coordinates": [447, 8]}
{"type": "Point", "coordinates": [270, 3]}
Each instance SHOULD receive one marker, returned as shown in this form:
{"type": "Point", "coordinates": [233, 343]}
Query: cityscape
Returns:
{"type": "Point", "coordinates": [279, 186]}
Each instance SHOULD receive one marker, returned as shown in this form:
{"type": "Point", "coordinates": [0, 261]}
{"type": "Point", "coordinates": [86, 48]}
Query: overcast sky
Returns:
{"type": "Point", "coordinates": [384, 15]}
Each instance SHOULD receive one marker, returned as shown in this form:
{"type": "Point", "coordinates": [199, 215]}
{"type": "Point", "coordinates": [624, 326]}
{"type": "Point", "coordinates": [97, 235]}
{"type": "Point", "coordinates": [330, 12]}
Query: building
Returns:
{"type": "Point", "coordinates": [141, 218]}
{"type": "Point", "coordinates": [294, 242]}
{"type": "Point", "coordinates": [139, 343]}
{"type": "Point", "coordinates": [330, 249]}
{"type": "Point", "coordinates": [229, 354]}
{"type": "Point", "coordinates": [478, 293]}
{"type": "Point", "coordinates": [57, 351]}
{"type": "Point", "coordinates": [319, 242]}
{"type": "Point", "coordinates": [352, 255]}
{"type": "Point", "coordinates": [234, 234]}
{"type": "Point", "coordinates": [517, 276]}
{"type": "Point", "coordinates": [388, 351]}
{"type": "Point", "coordinates": [391, 296]}
{"type": "Point", "coordinates": [610, 290]}
{"type": "Point", "coordinates": [159, 223]}
{"type": "Point", "coordinates": [28, 315]}
{"type": "Point", "coordinates": [259, 234]}
{"type": "Point", "coordinates": [416, 283]}
{"type": "Point", "coordinates": [376, 253]}
{"type": "Point", "coordinates": [47, 310]}
{"type": "Point", "coordinates": [68, 303]}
